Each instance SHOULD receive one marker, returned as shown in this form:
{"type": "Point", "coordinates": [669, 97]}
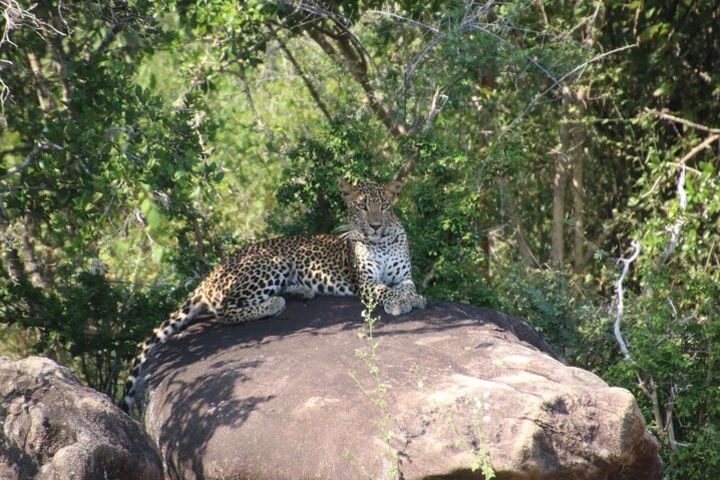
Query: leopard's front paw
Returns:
{"type": "Point", "coordinates": [418, 301]}
{"type": "Point", "coordinates": [398, 306]}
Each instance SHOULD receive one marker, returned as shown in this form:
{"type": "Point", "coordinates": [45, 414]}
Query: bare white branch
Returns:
{"type": "Point", "coordinates": [675, 228]}
{"type": "Point", "coordinates": [16, 16]}
{"type": "Point", "coordinates": [619, 294]}
{"type": "Point", "coordinates": [436, 105]}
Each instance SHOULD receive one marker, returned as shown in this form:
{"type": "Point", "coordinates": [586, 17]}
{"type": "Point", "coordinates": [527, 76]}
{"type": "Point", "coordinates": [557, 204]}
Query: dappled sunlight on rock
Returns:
{"type": "Point", "coordinates": [275, 399]}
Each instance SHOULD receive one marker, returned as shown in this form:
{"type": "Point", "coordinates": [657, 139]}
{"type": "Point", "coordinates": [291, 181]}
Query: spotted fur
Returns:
{"type": "Point", "coordinates": [370, 257]}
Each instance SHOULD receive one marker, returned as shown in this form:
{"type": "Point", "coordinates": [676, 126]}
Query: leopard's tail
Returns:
{"type": "Point", "coordinates": [176, 322]}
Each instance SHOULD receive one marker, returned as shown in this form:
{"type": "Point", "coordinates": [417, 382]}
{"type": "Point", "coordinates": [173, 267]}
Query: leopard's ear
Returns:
{"type": "Point", "coordinates": [347, 189]}
{"type": "Point", "coordinates": [393, 188]}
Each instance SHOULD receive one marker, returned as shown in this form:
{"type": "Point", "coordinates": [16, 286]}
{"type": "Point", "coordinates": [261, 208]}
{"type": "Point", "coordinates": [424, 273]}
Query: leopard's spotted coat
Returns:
{"type": "Point", "coordinates": [371, 257]}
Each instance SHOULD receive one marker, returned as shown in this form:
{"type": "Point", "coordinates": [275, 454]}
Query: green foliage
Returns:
{"type": "Point", "coordinates": [143, 140]}
{"type": "Point", "coordinates": [671, 320]}
{"type": "Point", "coordinates": [101, 172]}
{"type": "Point", "coordinates": [305, 203]}
{"type": "Point", "coordinates": [88, 322]}
{"type": "Point", "coordinates": [699, 457]}
{"type": "Point", "coordinates": [545, 299]}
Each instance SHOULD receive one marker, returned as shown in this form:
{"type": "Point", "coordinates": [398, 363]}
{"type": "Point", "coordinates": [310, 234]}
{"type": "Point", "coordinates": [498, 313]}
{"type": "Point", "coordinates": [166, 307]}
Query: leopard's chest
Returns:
{"type": "Point", "coordinates": [388, 262]}
{"type": "Point", "coordinates": [394, 268]}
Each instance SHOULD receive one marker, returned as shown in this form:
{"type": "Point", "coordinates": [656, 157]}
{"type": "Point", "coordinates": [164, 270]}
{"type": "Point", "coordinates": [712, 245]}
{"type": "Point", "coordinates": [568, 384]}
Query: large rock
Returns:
{"type": "Point", "coordinates": [275, 399]}
{"type": "Point", "coordinates": [54, 428]}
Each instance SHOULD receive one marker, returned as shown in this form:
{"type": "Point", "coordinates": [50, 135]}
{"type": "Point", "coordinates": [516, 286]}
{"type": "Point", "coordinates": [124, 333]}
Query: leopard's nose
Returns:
{"type": "Point", "coordinates": [376, 226]}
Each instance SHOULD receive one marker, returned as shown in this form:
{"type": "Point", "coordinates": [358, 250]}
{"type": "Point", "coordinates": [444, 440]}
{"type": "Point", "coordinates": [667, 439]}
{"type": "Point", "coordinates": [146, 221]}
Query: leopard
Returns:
{"type": "Point", "coordinates": [369, 256]}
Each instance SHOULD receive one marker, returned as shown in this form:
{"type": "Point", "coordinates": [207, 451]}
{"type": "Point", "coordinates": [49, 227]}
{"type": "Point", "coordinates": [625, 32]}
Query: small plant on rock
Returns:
{"type": "Point", "coordinates": [376, 391]}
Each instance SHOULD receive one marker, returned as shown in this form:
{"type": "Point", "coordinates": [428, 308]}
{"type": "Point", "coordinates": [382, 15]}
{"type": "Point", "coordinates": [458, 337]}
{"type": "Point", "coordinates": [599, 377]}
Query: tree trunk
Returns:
{"type": "Point", "coordinates": [569, 166]}
{"type": "Point", "coordinates": [578, 135]}
{"type": "Point", "coordinates": [557, 234]}
{"type": "Point", "coordinates": [514, 217]}
{"type": "Point", "coordinates": [37, 276]}
{"type": "Point", "coordinates": [578, 195]}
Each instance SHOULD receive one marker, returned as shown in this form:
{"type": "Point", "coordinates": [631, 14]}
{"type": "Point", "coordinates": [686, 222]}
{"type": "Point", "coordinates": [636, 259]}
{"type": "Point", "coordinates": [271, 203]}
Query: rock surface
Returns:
{"type": "Point", "coordinates": [55, 428]}
{"type": "Point", "coordinates": [274, 400]}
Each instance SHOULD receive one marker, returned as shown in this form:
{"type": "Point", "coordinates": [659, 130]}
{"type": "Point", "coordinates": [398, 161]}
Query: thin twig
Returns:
{"type": "Point", "coordinates": [578, 68]}
{"type": "Point", "coordinates": [434, 109]}
{"type": "Point", "coordinates": [15, 16]}
{"type": "Point", "coordinates": [251, 103]}
{"type": "Point", "coordinates": [28, 159]}
{"type": "Point", "coordinates": [689, 169]}
{"type": "Point", "coordinates": [707, 262]}
{"type": "Point", "coordinates": [682, 200]}
{"type": "Point", "coordinates": [426, 123]}
{"type": "Point", "coordinates": [407, 20]}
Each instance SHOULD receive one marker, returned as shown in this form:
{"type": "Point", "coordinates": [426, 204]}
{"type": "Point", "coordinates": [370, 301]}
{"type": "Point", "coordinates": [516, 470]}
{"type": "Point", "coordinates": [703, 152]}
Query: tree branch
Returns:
{"type": "Point", "coordinates": [311, 88]}
{"type": "Point", "coordinates": [682, 121]}
{"type": "Point", "coordinates": [557, 232]}
{"type": "Point", "coordinates": [650, 390]}
{"type": "Point", "coordinates": [60, 62]}
{"type": "Point", "coordinates": [107, 39]}
{"type": "Point", "coordinates": [45, 99]}
{"type": "Point", "coordinates": [25, 163]}
{"type": "Point", "coordinates": [37, 276]}
{"type": "Point", "coordinates": [425, 123]}
{"type": "Point", "coordinates": [620, 307]}
{"type": "Point", "coordinates": [240, 73]}
{"type": "Point", "coordinates": [512, 210]}
{"type": "Point", "coordinates": [704, 144]}
{"type": "Point", "coordinates": [435, 108]}
{"type": "Point", "coordinates": [199, 244]}
{"type": "Point", "coordinates": [15, 16]}
{"type": "Point", "coordinates": [14, 150]}
{"type": "Point", "coordinates": [559, 81]}
{"type": "Point", "coordinates": [679, 221]}
{"type": "Point", "coordinates": [344, 53]}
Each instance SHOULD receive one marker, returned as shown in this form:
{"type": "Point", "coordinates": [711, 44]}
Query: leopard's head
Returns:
{"type": "Point", "coordinates": [370, 207]}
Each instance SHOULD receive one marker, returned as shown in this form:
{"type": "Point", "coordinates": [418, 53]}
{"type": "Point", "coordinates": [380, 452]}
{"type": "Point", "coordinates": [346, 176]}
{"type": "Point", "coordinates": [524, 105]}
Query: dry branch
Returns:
{"type": "Point", "coordinates": [536, 99]}
{"type": "Point", "coordinates": [16, 16]}
{"type": "Point", "coordinates": [682, 121]}
{"type": "Point", "coordinates": [436, 105]}
{"type": "Point", "coordinates": [306, 80]}
{"type": "Point", "coordinates": [619, 305]}
{"type": "Point", "coordinates": [704, 144]}
{"type": "Point", "coordinates": [28, 159]}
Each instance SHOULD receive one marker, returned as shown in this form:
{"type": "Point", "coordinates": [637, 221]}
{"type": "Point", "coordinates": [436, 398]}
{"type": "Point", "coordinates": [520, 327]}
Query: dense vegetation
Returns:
{"type": "Point", "coordinates": [560, 162]}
